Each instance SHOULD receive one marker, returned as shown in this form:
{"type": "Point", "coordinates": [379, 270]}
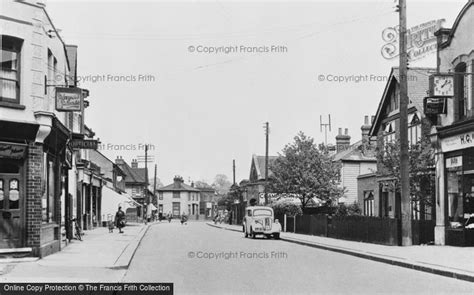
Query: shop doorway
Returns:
{"type": "Point", "coordinates": [11, 204]}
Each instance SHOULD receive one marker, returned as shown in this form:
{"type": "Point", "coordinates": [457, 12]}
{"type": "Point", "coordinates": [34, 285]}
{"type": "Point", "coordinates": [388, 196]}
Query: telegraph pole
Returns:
{"type": "Point", "coordinates": [267, 131]}
{"type": "Point", "coordinates": [233, 171]}
{"type": "Point", "coordinates": [154, 185]}
{"type": "Point", "coordinates": [405, 206]}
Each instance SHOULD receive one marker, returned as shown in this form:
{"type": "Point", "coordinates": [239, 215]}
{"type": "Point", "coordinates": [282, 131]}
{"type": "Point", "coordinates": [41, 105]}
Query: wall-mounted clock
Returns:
{"type": "Point", "coordinates": [442, 85]}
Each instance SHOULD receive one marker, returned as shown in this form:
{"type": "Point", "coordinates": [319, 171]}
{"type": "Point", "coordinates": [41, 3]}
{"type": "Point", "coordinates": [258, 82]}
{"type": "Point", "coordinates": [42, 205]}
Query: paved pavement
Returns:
{"type": "Point", "coordinates": [100, 257]}
{"type": "Point", "coordinates": [455, 262]}
{"type": "Point", "coordinates": [200, 259]}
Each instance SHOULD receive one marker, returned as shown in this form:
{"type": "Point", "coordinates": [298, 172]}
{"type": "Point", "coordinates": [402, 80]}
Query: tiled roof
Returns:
{"type": "Point", "coordinates": [133, 175]}
{"type": "Point", "coordinates": [178, 186]}
{"type": "Point", "coordinates": [418, 86]}
{"type": "Point", "coordinates": [356, 153]}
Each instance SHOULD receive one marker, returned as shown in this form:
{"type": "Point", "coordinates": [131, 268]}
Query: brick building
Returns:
{"type": "Point", "coordinates": [34, 157]}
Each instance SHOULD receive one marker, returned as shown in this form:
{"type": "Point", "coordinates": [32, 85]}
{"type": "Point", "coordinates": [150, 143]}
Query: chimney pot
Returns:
{"type": "Point", "coordinates": [366, 120]}
{"type": "Point", "coordinates": [346, 131]}
{"type": "Point", "coordinates": [340, 131]}
{"type": "Point", "coordinates": [373, 119]}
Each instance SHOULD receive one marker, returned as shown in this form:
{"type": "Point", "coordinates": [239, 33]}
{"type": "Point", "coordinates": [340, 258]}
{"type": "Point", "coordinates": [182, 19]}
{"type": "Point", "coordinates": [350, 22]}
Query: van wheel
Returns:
{"type": "Point", "coordinates": [245, 232]}
{"type": "Point", "coordinates": [252, 234]}
{"type": "Point", "coordinates": [276, 236]}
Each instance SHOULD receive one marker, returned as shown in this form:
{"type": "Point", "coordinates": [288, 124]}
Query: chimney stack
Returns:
{"type": "Point", "coordinates": [343, 141]}
{"type": "Point", "coordinates": [366, 128]}
{"type": "Point", "coordinates": [134, 163]}
{"type": "Point", "coordinates": [177, 181]}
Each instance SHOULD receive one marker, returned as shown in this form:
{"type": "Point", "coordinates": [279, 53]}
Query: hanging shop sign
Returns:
{"type": "Point", "coordinates": [12, 151]}
{"type": "Point", "coordinates": [86, 144]}
{"type": "Point", "coordinates": [434, 106]}
{"type": "Point", "coordinates": [69, 99]}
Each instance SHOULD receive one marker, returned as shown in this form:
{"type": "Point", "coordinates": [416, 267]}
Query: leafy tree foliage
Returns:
{"type": "Point", "coordinates": [221, 184]}
{"type": "Point", "coordinates": [421, 169]}
{"type": "Point", "coordinates": [306, 171]}
{"type": "Point", "coordinates": [287, 207]}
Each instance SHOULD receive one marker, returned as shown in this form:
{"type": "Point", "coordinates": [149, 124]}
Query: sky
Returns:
{"type": "Point", "coordinates": [197, 80]}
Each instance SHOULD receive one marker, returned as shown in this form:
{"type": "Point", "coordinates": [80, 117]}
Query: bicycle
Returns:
{"type": "Point", "coordinates": [77, 230]}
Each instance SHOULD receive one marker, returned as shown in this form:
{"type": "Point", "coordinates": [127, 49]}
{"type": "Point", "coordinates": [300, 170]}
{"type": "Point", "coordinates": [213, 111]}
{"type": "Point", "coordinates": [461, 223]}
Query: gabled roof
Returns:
{"type": "Point", "coordinates": [258, 165]}
{"type": "Point", "coordinates": [418, 85]}
{"type": "Point", "coordinates": [177, 186]}
{"type": "Point", "coordinates": [357, 153]}
{"type": "Point", "coordinates": [133, 175]}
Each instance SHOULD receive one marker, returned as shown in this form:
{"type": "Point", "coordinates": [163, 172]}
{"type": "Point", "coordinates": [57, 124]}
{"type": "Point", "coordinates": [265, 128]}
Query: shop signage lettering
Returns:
{"type": "Point", "coordinates": [88, 144]}
{"type": "Point", "coordinates": [454, 162]}
{"type": "Point", "coordinates": [12, 151]}
{"type": "Point", "coordinates": [68, 99]}
{"type": "Point", "coordinates": [458, 142]}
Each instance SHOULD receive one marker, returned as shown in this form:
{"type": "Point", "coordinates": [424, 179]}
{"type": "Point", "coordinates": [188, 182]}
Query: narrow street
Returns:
{"type": "Point", "coordinates": [180, 254]}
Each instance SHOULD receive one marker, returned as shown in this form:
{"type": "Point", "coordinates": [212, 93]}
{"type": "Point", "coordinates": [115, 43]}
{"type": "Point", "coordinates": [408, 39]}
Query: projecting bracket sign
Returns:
{"type": "Point", "coordinates": [69, 99]}
{"type": "Point", "coordinates": [434, 106]}
{"type": "Point", "coordinates": [85, 144]}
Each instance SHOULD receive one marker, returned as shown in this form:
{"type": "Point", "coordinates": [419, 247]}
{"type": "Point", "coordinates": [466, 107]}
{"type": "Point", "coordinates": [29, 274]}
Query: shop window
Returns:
{"type": "Point", "coordinates": [460, 189]}
{"type": "Point", "coordinates": [368, 203]}
{"type": "Point", "coordinates": [49, 192]}
{"type": "Point", "coordinates": [10, 69]}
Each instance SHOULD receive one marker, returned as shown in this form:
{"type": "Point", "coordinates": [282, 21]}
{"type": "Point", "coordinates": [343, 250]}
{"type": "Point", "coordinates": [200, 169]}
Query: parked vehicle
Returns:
{"type": "Point", "coordinates": [259, 220]}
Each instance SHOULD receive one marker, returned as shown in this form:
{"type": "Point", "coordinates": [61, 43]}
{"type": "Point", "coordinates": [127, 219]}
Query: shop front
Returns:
{"type": "Point", "coordinates": [458, 195]}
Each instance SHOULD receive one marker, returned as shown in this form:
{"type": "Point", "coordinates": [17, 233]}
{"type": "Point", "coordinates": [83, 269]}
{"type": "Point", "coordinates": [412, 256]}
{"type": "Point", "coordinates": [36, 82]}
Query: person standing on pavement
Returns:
{"type": "Point", "coordinates": [120, 219]}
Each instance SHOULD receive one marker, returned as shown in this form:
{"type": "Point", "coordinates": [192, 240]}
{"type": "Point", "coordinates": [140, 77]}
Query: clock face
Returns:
{"type": "Point", "coordinates": [443, 85]}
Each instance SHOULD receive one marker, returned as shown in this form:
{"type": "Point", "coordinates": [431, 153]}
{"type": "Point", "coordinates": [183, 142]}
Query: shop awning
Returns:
{"type": "Point", "coordinates": [111, 200]}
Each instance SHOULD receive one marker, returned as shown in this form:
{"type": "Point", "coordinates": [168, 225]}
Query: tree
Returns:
{"type": "Point", "coordinates": [421, 170]}
{"type": "Point", "coordinates": [305, 171]}
{"type": "Point", "coordinates": [202, 184]}
{"type": "Point", "coordinates": [221, 184]}
{"type": "Point", "coordinates": [286, 207]}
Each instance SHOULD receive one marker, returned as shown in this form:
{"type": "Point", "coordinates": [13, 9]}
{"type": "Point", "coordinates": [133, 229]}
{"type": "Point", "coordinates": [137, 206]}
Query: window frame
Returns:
{"type": "Point", "coordinates": [16, 47]}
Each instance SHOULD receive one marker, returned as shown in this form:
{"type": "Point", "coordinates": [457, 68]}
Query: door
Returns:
{"type": "Point", "coordinates": [176, 209]}
{"type": "Point", "coordinates": [11, 194]}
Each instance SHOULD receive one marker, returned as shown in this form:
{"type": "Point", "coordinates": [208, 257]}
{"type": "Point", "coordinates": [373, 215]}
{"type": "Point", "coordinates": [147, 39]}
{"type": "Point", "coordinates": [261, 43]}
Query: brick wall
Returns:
{"type": "Point", "coordinates": [34, 176]}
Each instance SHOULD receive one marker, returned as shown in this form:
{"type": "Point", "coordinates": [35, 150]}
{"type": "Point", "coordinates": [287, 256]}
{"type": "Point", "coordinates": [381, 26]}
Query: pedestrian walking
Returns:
{"type": "Point", "coordinates": [184, 218]}
{"type": "Point", "coordinates": [169, 216]}
{"type": "Point", "coordinates": [120, 219]}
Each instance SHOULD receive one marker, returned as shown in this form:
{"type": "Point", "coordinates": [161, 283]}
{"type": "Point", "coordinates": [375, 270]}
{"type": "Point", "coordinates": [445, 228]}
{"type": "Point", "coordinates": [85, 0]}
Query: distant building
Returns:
{"type": "Point", "coordinates": [179, 197]}
{"type": "Point", "coordinates": [356, 159]}
{"type": "Point", "coordinates": [255, 187]}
